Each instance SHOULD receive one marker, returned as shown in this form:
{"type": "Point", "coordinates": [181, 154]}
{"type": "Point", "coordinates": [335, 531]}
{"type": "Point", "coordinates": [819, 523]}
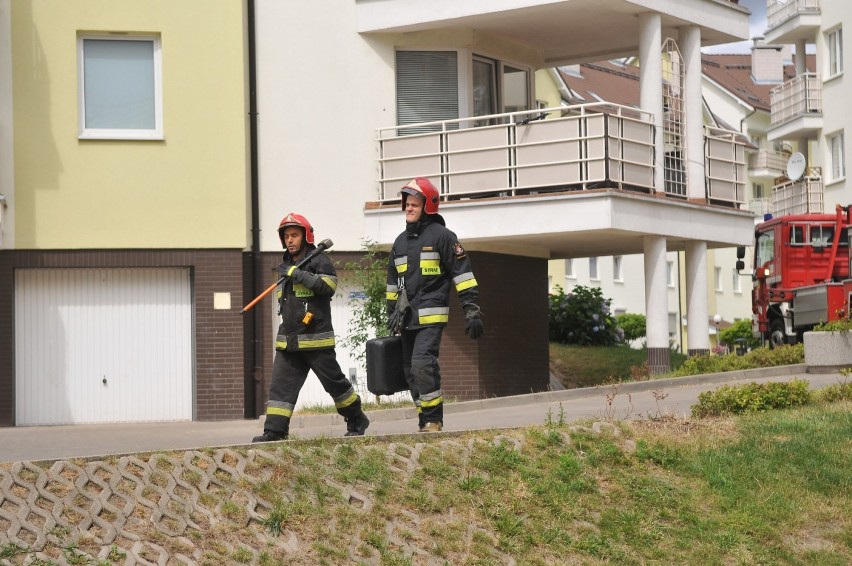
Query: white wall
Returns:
{"type": "Point", "coordinates": [322, 92]}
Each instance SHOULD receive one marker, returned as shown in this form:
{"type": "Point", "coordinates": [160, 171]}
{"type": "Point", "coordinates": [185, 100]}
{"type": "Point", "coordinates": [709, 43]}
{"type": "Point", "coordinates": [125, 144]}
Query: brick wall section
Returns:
{"type": "Point", "coordinates": [219, 350]}
{"type": "Point", "coordinates": [513, 355]}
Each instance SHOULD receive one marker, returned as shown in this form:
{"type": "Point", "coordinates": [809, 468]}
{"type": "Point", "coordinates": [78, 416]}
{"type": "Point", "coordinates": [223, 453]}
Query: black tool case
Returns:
{"type": "Point", "coordinates": [384, 366]}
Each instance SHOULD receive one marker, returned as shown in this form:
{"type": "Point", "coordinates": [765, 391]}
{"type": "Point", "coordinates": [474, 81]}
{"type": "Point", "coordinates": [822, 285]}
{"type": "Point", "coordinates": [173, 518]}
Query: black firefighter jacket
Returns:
{"type": "Point", "coordinates": [426, 259]}
{"type": "Point", "coordinates": [305, 305]}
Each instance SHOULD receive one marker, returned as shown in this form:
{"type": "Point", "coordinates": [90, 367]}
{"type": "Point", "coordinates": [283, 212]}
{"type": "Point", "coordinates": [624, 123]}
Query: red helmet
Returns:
{"type": "Point", "coordinates": [296, 220]}
{"type": "Point", "coordinates": [423, 187]}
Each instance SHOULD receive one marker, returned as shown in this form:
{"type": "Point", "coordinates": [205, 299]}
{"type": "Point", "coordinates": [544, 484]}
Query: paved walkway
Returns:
{"type": "Point", "coordinates": [143, 493]}
{"type": "Point", "coordinates": [631, 400]}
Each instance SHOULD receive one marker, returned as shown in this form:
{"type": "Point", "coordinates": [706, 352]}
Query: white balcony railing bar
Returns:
{"type": "Point", "coordinates": [766, 159]}
{"type": "Point", "coordinates": [799, 197]}
{"type": "Point", "coordinates": [797, 97]}
{"type": "Point", "coordinates": [577, 148]}
{"type": "Point", "coordinates": [724, 165]}
{"type": "Point", "coordinates": [779, 12]}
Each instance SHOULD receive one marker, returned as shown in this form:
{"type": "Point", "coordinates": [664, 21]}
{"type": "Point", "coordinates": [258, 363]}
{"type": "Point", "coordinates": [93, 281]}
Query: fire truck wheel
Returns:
{"type": "Point", "coordinates": [776, 333]}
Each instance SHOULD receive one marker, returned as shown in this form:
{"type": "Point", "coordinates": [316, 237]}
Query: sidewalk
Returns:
{"type": "Point", "coordinates": [625, 401]}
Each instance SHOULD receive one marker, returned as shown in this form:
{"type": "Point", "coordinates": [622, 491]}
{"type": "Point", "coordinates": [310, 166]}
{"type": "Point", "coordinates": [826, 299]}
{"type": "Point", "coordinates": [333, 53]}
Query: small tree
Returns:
{"type": "Point", "coordinates": [632, 324]}
{"type": "Point", "coordinates": [583, 317]}
{"type": "Point", "coordinates": [739, 330]}
{"type": "Point", "coordinates": [369, 306]}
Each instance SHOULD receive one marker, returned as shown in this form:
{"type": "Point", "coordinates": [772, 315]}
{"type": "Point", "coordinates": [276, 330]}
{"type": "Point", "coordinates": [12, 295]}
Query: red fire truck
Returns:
{"type": "Point", "coordinates": [801, 273]}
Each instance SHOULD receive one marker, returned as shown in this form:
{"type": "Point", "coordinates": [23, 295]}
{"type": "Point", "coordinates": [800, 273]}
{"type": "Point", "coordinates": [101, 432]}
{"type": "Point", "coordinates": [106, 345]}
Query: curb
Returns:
{"type": "Point", "coordinates": [381, 415]}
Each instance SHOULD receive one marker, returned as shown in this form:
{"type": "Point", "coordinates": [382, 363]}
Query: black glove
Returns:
{"type": "Point", "coordinates": [473, 322]}
{"type": "Point", "coordinates": [394, 321]}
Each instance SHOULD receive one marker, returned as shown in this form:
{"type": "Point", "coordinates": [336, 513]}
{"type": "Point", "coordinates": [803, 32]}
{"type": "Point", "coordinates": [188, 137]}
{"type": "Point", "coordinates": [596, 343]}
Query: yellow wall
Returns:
{"type": "Point", "coordinates": [186, 191]}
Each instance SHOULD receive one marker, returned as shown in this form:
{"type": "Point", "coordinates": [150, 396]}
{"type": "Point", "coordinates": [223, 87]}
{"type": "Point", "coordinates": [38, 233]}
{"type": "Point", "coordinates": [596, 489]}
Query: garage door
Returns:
{"type": "Point", "coordinates": [102, 345]}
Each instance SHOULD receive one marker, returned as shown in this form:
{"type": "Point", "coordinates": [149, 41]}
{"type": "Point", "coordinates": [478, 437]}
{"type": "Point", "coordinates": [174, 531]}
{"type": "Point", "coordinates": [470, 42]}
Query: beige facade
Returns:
{"type": "Point", "coordinates": [186, 190]}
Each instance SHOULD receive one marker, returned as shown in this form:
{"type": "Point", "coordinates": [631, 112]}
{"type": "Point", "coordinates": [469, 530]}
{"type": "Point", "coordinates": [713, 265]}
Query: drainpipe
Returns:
{"type": "Point", "coordinates": [255, 384]}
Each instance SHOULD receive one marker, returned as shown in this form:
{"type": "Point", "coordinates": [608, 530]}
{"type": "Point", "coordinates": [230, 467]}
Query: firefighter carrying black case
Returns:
{"type": "Point", "coordinates": [384, 366]}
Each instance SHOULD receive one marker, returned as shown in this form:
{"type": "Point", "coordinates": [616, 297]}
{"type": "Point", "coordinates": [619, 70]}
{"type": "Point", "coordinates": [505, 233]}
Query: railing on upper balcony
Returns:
{"type": "Point", "coordinates": [584, 147]}
{"type": "Point", "coordinates": [759, 206]}
{"type": "Point", "coordinates": [724, 165]}
{"type": "Point", "coordinates": [801, 196]}
{"type": "Point", "coordinates": [577, 148]}
{"type": "Point", "coordinates": [799, 96]}
{"type": "Point", "coordinates": [770, 160]}
{"type": "Point", "coordinates": [779, 12]}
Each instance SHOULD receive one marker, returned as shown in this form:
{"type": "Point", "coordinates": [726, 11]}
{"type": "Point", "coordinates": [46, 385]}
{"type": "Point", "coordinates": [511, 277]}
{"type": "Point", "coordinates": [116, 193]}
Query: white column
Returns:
{"type": "Point", "coordinates": [651, 84]}
{"type": "Point", "coordinates": [801, 56]}
{"type": "Point", "coordinates": [690, 49]}
{"type": "Point", "coordinates": [697, 315]}
{"type": "Point", "coordinates": [656, 304]}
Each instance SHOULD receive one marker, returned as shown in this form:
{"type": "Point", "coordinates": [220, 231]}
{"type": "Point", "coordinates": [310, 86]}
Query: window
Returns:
{"type": "Point", "coordinates": [120, 87]}
{"type": "Point", "coordinates": [484, 89]}
{"type": "Point", "coordinates": [516, 92]}
{"type": "Point", "coordinates": [593, 269]}
{"type": "Point", "coordinates": [797, 235]}
{"type": "Point", "coordinates": [569, 269]}
{"type": "Point", "coordinates": [765, 249]}
{"type": "Point", "coordinates": [717, 272]}
{"type": "Point", "coordinates": [427, 84]}
{"type": "Point", "coordinates": [835, 155]}
{"type": "Point", "coordinates": [834, 39]}
{"type": "Point", "coordinates": [616, 269]}
{"type": "Point", "coordinates": [822, 235]}
{"type": "Point", "coordinates": [736, 281]}
{"type": "Point", "coordinates": [670, 273]}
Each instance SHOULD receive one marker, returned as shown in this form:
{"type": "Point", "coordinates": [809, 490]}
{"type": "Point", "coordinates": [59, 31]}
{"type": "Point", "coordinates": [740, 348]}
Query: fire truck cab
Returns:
{"type": "Point", "coordinates": [801, 274]}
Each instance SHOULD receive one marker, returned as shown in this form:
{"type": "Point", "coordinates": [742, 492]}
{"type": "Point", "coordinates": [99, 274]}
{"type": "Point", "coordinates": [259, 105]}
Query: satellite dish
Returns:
{"type": "Point", "coordinates": [796, 166]}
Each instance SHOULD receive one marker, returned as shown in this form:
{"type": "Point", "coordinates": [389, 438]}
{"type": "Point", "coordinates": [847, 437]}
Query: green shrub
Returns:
{"type": "Point", "coordinates": [632, 324]}
{"type": "Point", "coordinates": [752, 397]}
{"type": "Point", "coordinates": [840, 325]}
{"type": "Point", "coordinates": [582, 317]}
{"type": "Point", "coordinates": [834, 393]}
{"type": "Point", "coordinates": [740, 330]}
{"type": "Point", "coordinates": [757, 358]}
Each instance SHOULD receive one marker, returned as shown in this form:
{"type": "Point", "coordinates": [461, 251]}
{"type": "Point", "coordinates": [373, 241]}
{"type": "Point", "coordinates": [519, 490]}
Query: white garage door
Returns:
{"type": "Point", "coordinates": [102, 345]}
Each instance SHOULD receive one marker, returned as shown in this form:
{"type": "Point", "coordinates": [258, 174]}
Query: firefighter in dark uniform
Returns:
{"type": "Point", "coordinates": [305, 338]}
{"type": "Point", "coordinates": [425, 261]}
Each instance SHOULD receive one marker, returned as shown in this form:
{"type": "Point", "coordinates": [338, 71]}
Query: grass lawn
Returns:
{"type": "Point", "coordinates": [587, 366]}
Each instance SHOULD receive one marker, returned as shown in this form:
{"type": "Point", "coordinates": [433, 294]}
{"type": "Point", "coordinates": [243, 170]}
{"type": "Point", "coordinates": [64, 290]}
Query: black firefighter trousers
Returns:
{"type": "Point", "coordinates": [422, 372]}
{"type": "Point", "coordinates": [289, 372]}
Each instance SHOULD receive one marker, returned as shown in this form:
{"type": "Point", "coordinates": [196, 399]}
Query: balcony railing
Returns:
{"type": "Point", "coordinates": [768, 160]}
{"type": "Point", "coordinates": [759, 206]}
{"type": "Point", "coordinates": [799, 197]}
{"type": "Point", "coordinates": [587, 146]}
{"type": "Point", "coordinates": [724, 165]}
{"type": "Point", "coordinates": [797, 97]}
{"type": "Point", "coordinates": [583, 147]}
{"type": "Point", "coordinates": [777, 13]}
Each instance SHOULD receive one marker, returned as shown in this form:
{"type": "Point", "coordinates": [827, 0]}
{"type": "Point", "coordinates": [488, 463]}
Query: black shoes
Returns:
{"type": "Point", "coordinates": [355, 426]}
{"type": "Point", "coordinates": [270, 436]}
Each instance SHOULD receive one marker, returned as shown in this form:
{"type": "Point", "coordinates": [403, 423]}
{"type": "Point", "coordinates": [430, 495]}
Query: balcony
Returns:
{"type": "Point", "coordinates": [791, 21]}
{"type": "Point", "coordinates": [578, 148]}
{"type": "Point", "coordinates": [767, 163]}
{"type": "Point", "coordinates": [799, 197]}
{"type": "Point", "coordinates": [796, 108]}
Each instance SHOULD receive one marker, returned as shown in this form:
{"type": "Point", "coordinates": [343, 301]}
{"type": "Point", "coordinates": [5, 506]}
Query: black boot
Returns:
{"type": "Point", "coordinates": [355, 426]}
{"type": "Point", "coordinates": [270, 436]}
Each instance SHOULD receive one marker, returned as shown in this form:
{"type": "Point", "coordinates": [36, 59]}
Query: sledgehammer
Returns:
{"type": "Point", "coordinates": [324, 245]}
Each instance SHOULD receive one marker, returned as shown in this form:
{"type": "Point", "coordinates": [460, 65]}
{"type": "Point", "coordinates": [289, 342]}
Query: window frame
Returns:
{"type": "Point", "coordinates": [618, 269]}
{"type": "Point", "coordinates": [834, 46]}
{"type": "Point", "coordinates": [594, 272]}
{"type": "Point", "coordinates": [84, 133]}
{"type": "Point", "coordinates": [717, 277]}
{"type": "Point", "coordinates": [835, 143]}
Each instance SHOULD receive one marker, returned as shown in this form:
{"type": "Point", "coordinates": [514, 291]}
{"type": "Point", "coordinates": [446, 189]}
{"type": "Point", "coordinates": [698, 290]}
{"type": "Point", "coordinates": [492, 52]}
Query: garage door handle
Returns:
{"type": "Point", "coordinates": [104, 380]}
